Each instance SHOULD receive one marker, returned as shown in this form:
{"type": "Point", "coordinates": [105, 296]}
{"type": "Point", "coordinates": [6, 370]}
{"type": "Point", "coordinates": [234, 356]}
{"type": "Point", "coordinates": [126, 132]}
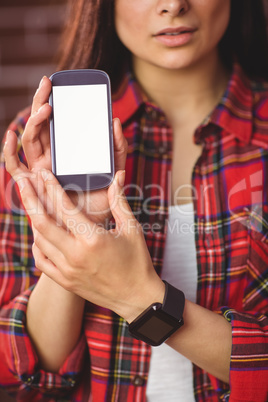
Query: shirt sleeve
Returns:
{"type": "Point", "coordinates": [249, 357]}
{"type": "Point", "coordinates": [20, 374]}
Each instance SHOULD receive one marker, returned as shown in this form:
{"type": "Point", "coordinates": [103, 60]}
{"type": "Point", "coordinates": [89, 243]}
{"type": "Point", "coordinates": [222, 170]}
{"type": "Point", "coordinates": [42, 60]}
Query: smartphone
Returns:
{"type": "Point", "coordinates": [81, 129]}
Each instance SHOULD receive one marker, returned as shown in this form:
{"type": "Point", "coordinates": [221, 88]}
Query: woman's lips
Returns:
{"type": "Point", "coordinates": [173, 37]}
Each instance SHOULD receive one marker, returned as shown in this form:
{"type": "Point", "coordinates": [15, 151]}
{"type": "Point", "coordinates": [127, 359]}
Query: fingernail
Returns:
{"type": "Point", "coordinates": [45, 175]}
{"type": "Point", "coordinates": [118, 120]}
{"type": "Point", "coordinates": [39, 110]}
{"type": "Point", "coordinates": [21, 184]}
{"type": "Point", "coordinates": [121, 178]}
{"type": "Point", "coordinates": [7, 137]}
{"type": "Point", "coordinates": [41, 82]}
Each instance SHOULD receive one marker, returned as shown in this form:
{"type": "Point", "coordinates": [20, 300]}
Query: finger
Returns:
{"type": "Point", "coordinates": [43, 223]}
{"type": "Point", "coordinates": [48, 249]}
{"type": "Point", "coordinates": [70, 214]}
{"type": "Point", "coordinates": [120, 146]}
{"type": "Point", "coordinates": [119, 205]}
{"type": "Point", "coordinates": [42, 94]}
{"type": "Point", "coordinates": [19, 171]}
{"type": "Point", "coordinates": [40, 189]}
{"type": "Point", "coordinates": [35, 122]}
{"type": "Point", "coordinates": [36, 139]}
{"type": "Point", "coordinates": [13, 164]}
{"type": "Point", "coordinates": [45, 135]}
{"type": "Point", "coordinates": [46, 266]}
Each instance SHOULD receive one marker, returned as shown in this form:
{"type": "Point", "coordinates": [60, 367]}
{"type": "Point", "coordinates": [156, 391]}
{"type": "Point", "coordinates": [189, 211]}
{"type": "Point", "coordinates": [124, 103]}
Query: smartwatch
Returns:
{"type": "Point", "coordinates": [159, 321]}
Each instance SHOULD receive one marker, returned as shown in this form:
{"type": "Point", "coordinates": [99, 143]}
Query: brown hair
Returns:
{"type": "Point", "coordinates": [90, 41]}
{"type": "Point", "coordinates": [246, 37]}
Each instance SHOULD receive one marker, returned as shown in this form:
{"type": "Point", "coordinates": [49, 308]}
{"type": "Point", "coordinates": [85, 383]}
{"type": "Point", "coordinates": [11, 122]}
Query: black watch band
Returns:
{"type": "Point", "coordinates": [159, 321]}
{"type": "Point", "coordinates": [174, 301]}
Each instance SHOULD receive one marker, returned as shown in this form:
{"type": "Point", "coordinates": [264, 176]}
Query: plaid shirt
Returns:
{"type": "Point", "coordinates": [231, 221]}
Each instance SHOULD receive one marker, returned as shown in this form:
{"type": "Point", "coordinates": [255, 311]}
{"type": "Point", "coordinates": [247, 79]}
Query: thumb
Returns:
{"type": "Point", "coordinates": [120, 146]}
{"type": "Point", "coordinates": [118, 203]}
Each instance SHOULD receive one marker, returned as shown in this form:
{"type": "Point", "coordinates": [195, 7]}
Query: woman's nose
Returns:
{"type": "Point", "coordinates": [172, 7]}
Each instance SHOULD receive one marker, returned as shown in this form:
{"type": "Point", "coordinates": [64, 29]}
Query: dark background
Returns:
{"type": "Point", "coordinates": [29, 32]}
{"type": "Point", "coordinates": [29, 35]}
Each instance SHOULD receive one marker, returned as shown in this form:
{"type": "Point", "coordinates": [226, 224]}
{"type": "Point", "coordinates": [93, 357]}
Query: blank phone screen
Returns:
{"type": "Point", "coordinates": [81, 129]}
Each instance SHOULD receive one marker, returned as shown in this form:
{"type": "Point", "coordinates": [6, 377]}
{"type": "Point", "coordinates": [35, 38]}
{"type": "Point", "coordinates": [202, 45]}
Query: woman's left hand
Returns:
{"type": "Point", "coordinates": [111, 268]}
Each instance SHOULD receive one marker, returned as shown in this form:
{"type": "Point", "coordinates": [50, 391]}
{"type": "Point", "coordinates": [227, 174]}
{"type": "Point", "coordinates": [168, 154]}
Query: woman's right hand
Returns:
{"type": "Point", "coordinates": [48, 299]}
{"type": "Point", "coordinates": [36, 146]}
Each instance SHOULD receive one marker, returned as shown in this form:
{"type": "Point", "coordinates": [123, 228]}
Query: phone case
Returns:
{"type": "Point", "coordinates": [84, 181]}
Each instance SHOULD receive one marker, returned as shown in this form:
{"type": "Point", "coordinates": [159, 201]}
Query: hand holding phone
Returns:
{"type": "Point", "coordinates": [81, 131]}
{"type": "Point", "coordinates": [37, 149]}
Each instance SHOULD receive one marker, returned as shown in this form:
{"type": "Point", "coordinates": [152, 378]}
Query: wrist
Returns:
{"type": "Point", "coordinates": [160, 320]}
{"type": "Point", "coordinates": [152, 292]}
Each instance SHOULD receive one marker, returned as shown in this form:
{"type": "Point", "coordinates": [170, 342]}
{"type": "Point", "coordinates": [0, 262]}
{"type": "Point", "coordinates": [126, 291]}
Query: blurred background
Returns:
{"type": "Point", "coordinates": [29, 36]}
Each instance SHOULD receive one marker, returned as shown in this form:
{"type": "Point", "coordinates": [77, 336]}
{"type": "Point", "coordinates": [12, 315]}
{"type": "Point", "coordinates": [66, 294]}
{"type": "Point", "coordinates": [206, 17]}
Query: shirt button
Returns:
{"type": "Point", "coordinates": [30, 380]}
{"type": "Point", "coordinates": [71, 381]}
{"type": "Point", "coordinates": [154, 114]}
{"type": "Point", "coordinates": [137, 380]}
{"type": "Point", "coordinates": [207, 243]}
{"type": "Point", "coordinates": [162, 150]}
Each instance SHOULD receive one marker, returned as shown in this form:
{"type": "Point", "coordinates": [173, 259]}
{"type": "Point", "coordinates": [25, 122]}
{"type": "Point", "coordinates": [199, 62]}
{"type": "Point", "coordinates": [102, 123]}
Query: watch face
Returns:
{"type": "Point", "coordinates": [154, 326]}
{"type": "Point", "coordinates": [155, 329]}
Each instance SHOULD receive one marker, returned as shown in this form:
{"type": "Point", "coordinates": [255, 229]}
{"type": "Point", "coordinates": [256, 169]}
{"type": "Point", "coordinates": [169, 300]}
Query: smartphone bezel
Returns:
{"type": "Point", "coordinates": [83, 182]}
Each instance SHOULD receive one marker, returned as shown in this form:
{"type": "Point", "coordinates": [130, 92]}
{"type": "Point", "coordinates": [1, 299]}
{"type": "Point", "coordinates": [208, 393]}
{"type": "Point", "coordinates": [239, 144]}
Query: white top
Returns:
{"type": "Point", "coordinates": [170, 375]}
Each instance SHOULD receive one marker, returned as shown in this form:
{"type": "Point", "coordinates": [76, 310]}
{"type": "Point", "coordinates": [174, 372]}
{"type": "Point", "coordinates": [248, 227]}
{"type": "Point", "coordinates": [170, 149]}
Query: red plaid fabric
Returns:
{"type": "Point", "coordinates": [230, 193]}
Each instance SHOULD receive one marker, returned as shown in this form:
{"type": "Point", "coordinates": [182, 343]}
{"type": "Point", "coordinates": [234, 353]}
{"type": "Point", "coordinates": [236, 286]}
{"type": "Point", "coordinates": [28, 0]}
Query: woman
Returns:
{"type": "Point", "coordinates": [177, 73]}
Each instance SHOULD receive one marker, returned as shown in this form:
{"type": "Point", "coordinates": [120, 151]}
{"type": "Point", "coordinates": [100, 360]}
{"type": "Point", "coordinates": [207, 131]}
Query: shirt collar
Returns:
{"type": "Point", "coordinates": [234, 112]}
{"type": "Point", "coordinates": [128, 98]}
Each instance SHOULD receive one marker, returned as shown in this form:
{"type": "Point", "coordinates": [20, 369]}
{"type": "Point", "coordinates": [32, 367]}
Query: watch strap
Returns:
{"type": "Point", "coordinates": [174, 301]}
{"type": "Point", "coordinates": [159, 321]}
